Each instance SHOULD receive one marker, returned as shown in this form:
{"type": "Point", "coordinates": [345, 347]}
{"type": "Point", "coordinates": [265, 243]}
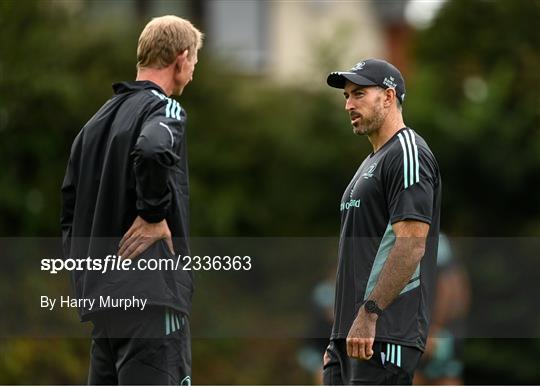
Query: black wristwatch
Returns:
{"type": "Point", "coordinates": [372, 307]}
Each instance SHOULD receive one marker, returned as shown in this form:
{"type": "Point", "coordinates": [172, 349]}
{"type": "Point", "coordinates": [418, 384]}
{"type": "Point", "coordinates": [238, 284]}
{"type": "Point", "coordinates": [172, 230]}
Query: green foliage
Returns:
{"type": "Point", "coordinates": [488, 361]}
{"type": "Point", "coordinates": [475, 95]}
{"type": "Point", "coordinates": [54, 72]}
{"type": "Point", "coordinates": [265, 160]}
{"type": "Point", "coordinates": [44, 361]}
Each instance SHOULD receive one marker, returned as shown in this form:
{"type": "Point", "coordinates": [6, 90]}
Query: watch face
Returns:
{"type": "Point", "coordinates": [370, 306]}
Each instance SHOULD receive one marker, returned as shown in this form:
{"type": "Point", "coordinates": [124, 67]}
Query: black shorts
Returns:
{"type": "Point", "coordinates": [140, 347]}
{"type": "Point", "coordinates": [391, 364]}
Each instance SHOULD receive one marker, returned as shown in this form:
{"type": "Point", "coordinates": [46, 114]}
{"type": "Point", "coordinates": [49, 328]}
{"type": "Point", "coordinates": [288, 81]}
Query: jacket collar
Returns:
{"type": "Point", "coordinates": [126, 87]}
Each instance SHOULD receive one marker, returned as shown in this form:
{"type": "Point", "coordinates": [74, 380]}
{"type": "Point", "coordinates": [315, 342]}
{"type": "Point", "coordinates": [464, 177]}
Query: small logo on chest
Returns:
{"type": "Point", "coordinates": [369, 173]}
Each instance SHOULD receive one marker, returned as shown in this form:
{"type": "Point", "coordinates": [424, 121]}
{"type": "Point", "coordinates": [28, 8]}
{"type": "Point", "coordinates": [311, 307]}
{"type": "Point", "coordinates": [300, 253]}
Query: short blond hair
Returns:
{"type": "Point", "coordinates": [164, 38]}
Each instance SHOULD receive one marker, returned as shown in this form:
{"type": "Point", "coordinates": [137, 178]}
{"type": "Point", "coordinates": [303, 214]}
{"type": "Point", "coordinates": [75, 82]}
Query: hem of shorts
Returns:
{"type": "Point", "coordinates": [341, 336]}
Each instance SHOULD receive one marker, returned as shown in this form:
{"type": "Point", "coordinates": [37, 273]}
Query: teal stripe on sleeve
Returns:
{"type": "Point", "coordinates": [175, 110]}
{"type": "Point", "coordinates": [411, 159]}
{"type": "Point", "coordinates": [405, 168]}
{"type": "Point", "coordinates": [173, 323]}
{"type": "Point", "coordinates": [177, 321]}
{"type": "Point", "coordinates": [178, 109]}
{"type": "Point", "coordinates": [168, 108]}
{"type": "Point", "coordinates": [167, 322]}
{"type": "Point", "coordinates": [417, 164]}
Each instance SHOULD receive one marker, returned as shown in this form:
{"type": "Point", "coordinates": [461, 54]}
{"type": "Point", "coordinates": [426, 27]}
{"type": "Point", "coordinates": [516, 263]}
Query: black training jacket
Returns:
{"type": "Point", "coordinates": [129, 159]}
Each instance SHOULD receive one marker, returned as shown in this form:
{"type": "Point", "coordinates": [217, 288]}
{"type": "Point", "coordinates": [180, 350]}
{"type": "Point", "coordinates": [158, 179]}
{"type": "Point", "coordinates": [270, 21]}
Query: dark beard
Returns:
{"type": "Point", "coordinates": [371, 124]}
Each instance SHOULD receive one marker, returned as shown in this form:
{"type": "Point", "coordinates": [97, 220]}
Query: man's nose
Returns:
{"type": "Point", "coordinates": [348, 104]}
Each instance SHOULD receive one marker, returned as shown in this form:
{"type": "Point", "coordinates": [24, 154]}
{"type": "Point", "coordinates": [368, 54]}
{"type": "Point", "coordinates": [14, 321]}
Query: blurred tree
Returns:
{"type": "Point", "coordinates": [476, 94]}
{"type": "Point", "coordinates": [54, 73]}
{"type": "Point", "coordinates": [53, 68]}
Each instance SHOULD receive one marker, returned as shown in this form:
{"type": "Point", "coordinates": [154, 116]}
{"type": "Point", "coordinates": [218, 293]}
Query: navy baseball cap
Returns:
{"type": "Point", "coordinates": [370, 72]}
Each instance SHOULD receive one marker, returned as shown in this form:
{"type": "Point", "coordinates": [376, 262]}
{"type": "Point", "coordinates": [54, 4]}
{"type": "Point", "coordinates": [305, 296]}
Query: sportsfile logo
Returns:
{"type": "Point", "coordinates": [351, 203]}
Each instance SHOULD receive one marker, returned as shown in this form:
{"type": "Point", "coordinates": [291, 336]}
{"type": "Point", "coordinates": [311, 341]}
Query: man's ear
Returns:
{"type": "Point", "coordinates": [181, 58]}
{"type": "Point", "coordinates": [389, 96]}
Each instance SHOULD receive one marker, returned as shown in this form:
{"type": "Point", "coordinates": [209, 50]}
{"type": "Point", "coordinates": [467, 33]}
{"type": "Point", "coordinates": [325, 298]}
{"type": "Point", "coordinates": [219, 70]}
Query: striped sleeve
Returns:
{"type": "Point", "coordinates": [411, 175]}
{"type": "Point", "coordinates": [173, 110]}
{"type": "Point", "coordinates": [411, 165]}
{"type": "Point", "coordinates": [155, 155]}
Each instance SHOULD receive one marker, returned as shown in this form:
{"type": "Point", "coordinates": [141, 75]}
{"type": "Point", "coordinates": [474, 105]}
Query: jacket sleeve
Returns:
{"type": "Point", "coordinates": [155, 158]}
{"type": "Point", "coordinates": [69, 189]}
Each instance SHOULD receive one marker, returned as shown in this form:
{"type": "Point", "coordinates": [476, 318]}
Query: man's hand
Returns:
{"type": "Point", "coordinates": [141, 235]}
{"type": "Point", "coordinates": [326, 358]}
{"type": "Point", "coordinates": [362, 335]}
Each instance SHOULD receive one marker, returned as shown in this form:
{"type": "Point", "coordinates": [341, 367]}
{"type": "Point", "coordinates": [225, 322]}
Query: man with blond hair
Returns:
{"type": "Point", "coordinates": [125, 195]}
